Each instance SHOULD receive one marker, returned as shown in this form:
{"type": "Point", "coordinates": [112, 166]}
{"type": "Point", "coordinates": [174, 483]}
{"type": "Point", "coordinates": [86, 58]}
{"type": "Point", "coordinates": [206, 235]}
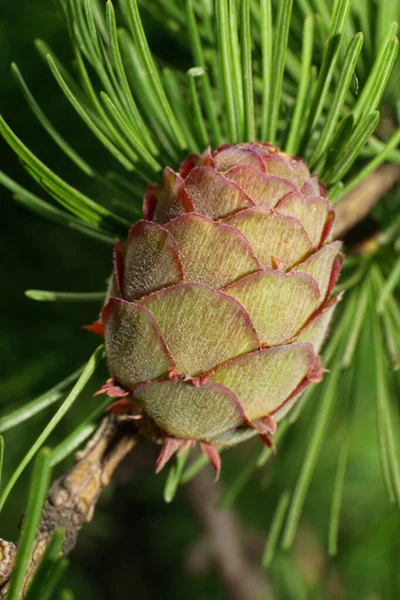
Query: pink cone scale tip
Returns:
{"type": "Point", "coordinates": [221, 298]}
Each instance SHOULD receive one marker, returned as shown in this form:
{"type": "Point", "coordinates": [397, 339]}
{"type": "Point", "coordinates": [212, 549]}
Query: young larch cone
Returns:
{"type": "Point", "coordinates": [221, 298]}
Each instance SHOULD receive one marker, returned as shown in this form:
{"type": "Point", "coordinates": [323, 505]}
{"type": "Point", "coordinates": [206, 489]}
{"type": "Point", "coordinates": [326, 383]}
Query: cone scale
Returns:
{"type": "Point", "coordinates": [221, 298]}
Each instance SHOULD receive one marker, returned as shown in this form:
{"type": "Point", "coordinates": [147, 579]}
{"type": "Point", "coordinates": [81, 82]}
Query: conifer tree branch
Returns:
{"type": "Point", "coordinates": [72, 498]}
{"type": "Point", "coordinates": [242, 580]}
{"type": "Point", "coordinates": [359, 202]}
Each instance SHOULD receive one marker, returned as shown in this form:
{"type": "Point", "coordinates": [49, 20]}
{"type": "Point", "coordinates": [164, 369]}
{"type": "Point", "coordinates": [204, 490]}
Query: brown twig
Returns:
{"type": "Point", "coordinates": [242, 579]}
{"type": "Point", "coordinates": [358, 203]}
{"type": "Point", "coordinates": [72, 498]}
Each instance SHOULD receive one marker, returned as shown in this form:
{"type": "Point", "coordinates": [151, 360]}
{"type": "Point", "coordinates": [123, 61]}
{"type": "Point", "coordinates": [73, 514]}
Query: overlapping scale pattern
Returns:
{"type": "Point", "coordinates": [224, 295]}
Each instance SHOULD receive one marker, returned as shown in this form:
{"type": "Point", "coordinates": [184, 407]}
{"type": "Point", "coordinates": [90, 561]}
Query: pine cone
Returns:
{"type": "Point", "coordinates": [221, 297]}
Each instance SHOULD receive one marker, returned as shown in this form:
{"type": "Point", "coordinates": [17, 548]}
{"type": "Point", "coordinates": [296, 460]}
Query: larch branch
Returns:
{"type": "Point", "coordinates": [72, 498]}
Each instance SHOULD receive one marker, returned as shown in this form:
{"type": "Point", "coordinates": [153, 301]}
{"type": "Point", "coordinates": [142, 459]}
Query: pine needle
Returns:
{"type": "Point", "coordinates": [278, 66]}
{"type": "Point", "coordinates": [275, 529]}
{"type": "Point", "coordinates": [32, 408]}
{"type": "Point", "coordinates": [139, 37]}
{"type": "Point", "coordinates": [227, 67]}
{"type": "Point", "coordinates": [298, 114]}
{"type": "Point", "coordinates": [47, 296]}
{"type": "Point", "coordinates": [58, 416]}
{"type": "Point", "coordinates": [37, 493]}
{"type": "Point", "coordinates": [314, 447]}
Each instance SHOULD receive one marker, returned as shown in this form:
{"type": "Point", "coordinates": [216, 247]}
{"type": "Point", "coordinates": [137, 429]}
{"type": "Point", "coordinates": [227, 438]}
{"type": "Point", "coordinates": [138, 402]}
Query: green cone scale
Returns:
{"type": "Point", "coordinates": [222, 297]}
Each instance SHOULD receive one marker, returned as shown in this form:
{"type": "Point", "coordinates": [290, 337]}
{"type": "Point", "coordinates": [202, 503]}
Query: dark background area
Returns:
{"type": "Point", "coordinates": [138, 546]}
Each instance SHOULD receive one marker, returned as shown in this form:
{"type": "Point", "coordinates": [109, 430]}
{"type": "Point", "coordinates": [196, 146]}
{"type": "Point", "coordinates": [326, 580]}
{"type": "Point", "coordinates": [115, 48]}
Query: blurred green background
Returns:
{"type": "Point", "coordinates": [138, 546]}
